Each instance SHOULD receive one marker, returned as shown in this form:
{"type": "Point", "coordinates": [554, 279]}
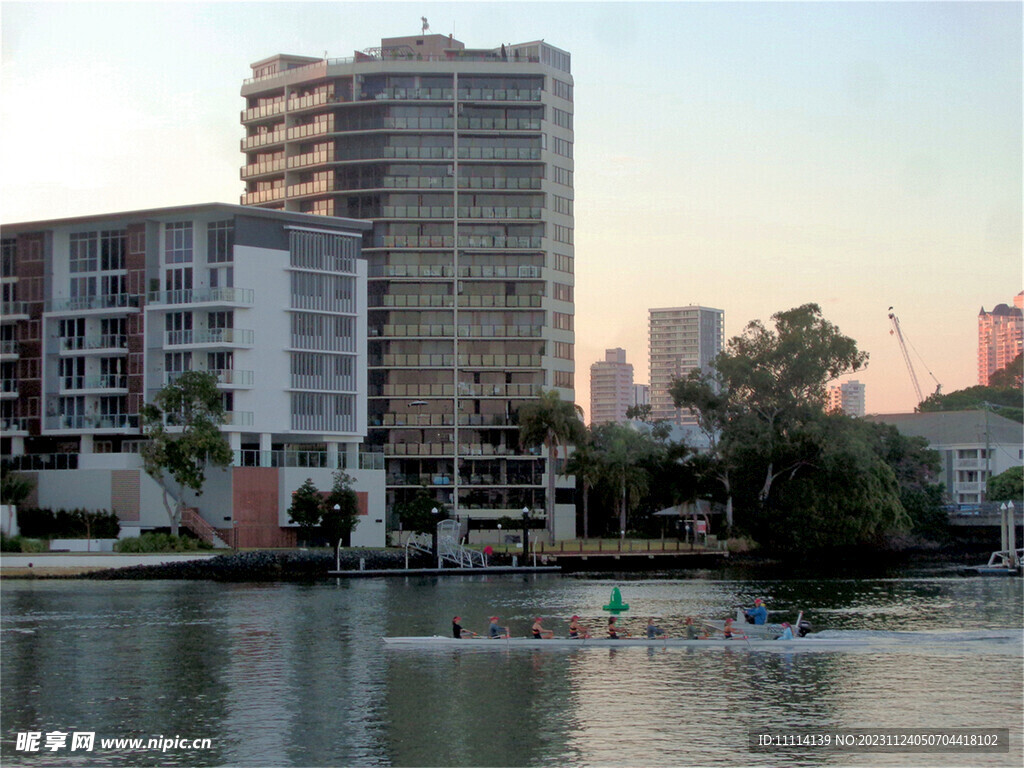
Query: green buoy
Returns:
{"type": "Point", "coordinates": [616, 605]}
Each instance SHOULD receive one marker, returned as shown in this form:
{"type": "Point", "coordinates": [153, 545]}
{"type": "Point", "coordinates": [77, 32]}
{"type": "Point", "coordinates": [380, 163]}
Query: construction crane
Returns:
{"type": "Point", "coordinates": [898, 332]}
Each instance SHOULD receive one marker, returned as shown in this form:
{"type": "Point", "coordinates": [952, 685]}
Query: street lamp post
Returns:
{"type": "Point", "coordinates": [433, 534]}
{"type": "Point", "coordinates": [526, 532]}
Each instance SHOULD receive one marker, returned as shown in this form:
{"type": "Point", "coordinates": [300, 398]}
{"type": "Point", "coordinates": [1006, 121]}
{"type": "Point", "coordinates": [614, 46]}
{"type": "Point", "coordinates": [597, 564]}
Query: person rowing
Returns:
{"type": "Point", "coordinates": [539, 633]}
{"type": "Point", "coordinates": [729, 631]}
{"type": "Point", "coordinates": [577, 630]}
{"type": "Point", "coordinates": [613, 630]}
{"type": "Point", "coordinates": [458, 632]}
{"type": "Point", "coordinates": [493, 630]}
{"type": "Point", "coordinates": [653, 630]}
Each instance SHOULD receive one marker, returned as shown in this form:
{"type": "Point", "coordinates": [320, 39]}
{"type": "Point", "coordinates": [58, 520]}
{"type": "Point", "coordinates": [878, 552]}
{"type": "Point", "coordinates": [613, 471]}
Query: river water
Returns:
{"type": "Point", "coordinates": [297, 675]}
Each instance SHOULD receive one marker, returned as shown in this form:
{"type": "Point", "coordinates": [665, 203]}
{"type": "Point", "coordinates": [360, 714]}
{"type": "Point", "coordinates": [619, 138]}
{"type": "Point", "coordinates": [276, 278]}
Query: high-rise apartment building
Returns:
{"type": "Point", "coordinates": [847, 397]}
{"type": "Point", "coordinates": [463, 161]}
{"type": "Point", "coordinates": [101, 312]}
{"type": "Point", "coordinates": [641, 395]}
{"type": "Point", "coordinates": [681, 339]}
{"type": "Point", "coordinates": [611, 387]}
{"type": "Point", "coordinates": [1000, 337]}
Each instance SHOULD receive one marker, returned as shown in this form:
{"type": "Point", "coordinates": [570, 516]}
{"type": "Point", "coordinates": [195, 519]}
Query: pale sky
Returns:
{"type": "Point", "coordinates": [746, 156]}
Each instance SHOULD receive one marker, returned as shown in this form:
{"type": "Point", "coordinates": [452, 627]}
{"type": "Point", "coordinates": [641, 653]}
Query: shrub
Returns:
{"type": "Point", "coordinates": [68, 524]}
{"type": "Point", "coordinates": [159, 542]}
{"type": "Point", "coordinates": [21, 544]}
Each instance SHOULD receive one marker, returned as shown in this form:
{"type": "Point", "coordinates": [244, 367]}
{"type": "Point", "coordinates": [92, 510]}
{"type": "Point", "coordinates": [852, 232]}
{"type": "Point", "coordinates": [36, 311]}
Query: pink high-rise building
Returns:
{"type": "Point", "coordinates": [1000, 335]}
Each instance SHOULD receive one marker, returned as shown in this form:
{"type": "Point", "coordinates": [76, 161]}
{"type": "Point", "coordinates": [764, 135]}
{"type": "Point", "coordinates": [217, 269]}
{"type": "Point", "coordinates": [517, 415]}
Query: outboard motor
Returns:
{"type": "Point", "coordinates": [803, 627]}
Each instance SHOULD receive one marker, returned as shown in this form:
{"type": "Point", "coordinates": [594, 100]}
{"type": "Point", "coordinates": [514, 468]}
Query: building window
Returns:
{"type": "Point", "coordinates": [564, 379]}
{"type": "Point", "coordinates": [563, 350]}
{"type": "Point", "coordinates": [562, 176]}
{"type": "Point", "coordinates": [561, 118]}
{"type": "Point", "coordinates": [9, 250]}
{"type": "Point", "coordinates": [178, 243]}
{"type": "Point", "coordinates": [220, 241]}
{"type": "Point", "coordinates": [563, 205]}
{"type": "Point", "coordinates": [113, 244]}
{"type": "Point", "coordinates": [561, 90]}
{"type": "Point", "coordinates": [562, 321]}
{"type": "Point", "coordinates": [562, 234]}
{"type": "Point", "coordinates": [563, 292]}
{"type": "Point", "coordinates": [83, 252]}
{"type": "Point", "coordinates": [564, 263]}
{"type": "Point", "coordinates": [562, 147]}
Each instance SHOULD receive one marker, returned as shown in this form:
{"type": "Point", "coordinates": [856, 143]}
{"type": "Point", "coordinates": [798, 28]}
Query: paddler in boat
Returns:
{"type": "Point", "coordinates": [653, 630]}
{"type": "Point", "coordinates": [729, 631]}
{"type": "Point", "coordinates": [458, 632]}
{"type": "Point", "coordinates": [613, 630]}
{"type": "Point", "coordinates": [758, 614]}
{"type": "Point", "coordinates": [576, 629]}
{"type": "Point", "coordinates": [539, 633]}
{"type": "Point", "coordinates": [692, 632]}
{"type": "Point", "coordinates": [493, 630]}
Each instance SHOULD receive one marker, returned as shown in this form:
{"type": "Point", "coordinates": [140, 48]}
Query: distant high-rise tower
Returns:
{"type": "Point", "coordinates": [641, 394]}
{"type": "Point", "coordinates": [681, 339]}
{"type": "Point", "coordinates": [463, 160]}
{"type": "Point", "coordinates": [847, 397]}
{"type": "Point", "coordinates": [1000, 334]}
{"type": "Point", "coordinates": [611, 387]}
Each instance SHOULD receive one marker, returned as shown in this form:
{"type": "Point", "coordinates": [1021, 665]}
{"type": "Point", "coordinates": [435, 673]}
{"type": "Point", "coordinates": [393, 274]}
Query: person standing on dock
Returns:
{"type": "Point", "coordinates": [493, 630]}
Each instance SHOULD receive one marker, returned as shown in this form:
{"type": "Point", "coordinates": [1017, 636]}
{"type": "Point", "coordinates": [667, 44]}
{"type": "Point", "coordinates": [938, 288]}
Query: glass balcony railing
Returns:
{"type": "Point", "coordinates": [227, 296]}
{"type": "Point", "coordinates": [108, 301]}
{"type": "Point", "coordinates": [101, 381]}
{"type": "Point", "coordinates": [11, 310]}
{"type": "Point", "coordinates": [93, 421]}
{"type": "Point", "coordinates": [94, 342]}
{"type": "Point", "coordinates": [229, 336]}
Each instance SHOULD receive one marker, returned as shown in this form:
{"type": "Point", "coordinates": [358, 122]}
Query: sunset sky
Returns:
{"type": "Point", "coordinates": [745, 156]}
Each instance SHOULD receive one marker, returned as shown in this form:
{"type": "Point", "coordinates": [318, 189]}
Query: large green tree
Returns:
{"type": "Point", "coordinates": [585, 465]}
{"type": "Point", "coordinates": [341, 510]}
{"type": "Point", "coordinates": [551, 422]}
{"type": "Point", "coordinates": [183, 426]}
{"type": "Point", "coordinates": [1006, 486]}
{"type": "Point", "coordinates": [307, 509]}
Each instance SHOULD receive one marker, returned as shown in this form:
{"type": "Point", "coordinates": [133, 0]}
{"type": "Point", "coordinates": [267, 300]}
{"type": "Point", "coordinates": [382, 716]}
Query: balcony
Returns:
{"type": "Point", "coordinates": [223, 297]}
{"type": "Point", "coordinates": [14, 425]}
{"type": "Point", "coordinates": [9, 349]}
{"type": "Point", "coordinates": [258, 113]}
{"type": "Point", "coordinates": [264, 139]}
{"type": "Point", "coordinates": [500, 301]}
{"type": "Point", "coordinates": [228, 337]}
{"type": "Point", "coordinates": [8, 389]}
{"type": "Point", "coordinates": [499, 124]}
{"type": "Point", "coordinates": [239, 418]}
{"type": "Point", "coordinates": [12, 311]}
{"type": "Point", "coordinates": [99, 343]}
{"type": "Point", "coordinates": [499, 153]}
{"type": "Point", "coordinates": [263, 196]}
{"type": "Point", "coordinates": [262, 169]}
{"type": "Point", "coordinates": [226, 377]}
{"type": "Point", "coordinates": [112, 421]}
{"type": "Point", "coordinates": [495, 182]}
{"type": "Point", "coordinates": [122, 302]}
{"type": "Point", "coordinates": [107, 383]}
{"type": "Point", "coordinates": [501, 331]}
{"type": "Point", "coordinates": [311, 158]}
{"type": "Point", "coordinates": [414, 361]}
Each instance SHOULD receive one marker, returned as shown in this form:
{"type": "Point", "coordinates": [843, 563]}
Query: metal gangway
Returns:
{"type": "Point", "coordinates": [449, 547]}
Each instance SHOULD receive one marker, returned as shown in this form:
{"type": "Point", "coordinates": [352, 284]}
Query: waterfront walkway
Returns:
{"type": "Point", "coordinates": [14, 564]}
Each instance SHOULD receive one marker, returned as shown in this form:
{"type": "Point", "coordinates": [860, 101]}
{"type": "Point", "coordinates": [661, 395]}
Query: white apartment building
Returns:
{"type": "Point", "coordinates": [611, 387]}
{"type": "Point", "coordinates": [681, 339]}
{"type": "Point", "coordinates": [847, 397]}
{"type": "Point", "coordinates": [100, 312]}
{"type": "Point", "coordinates": [974, 446]}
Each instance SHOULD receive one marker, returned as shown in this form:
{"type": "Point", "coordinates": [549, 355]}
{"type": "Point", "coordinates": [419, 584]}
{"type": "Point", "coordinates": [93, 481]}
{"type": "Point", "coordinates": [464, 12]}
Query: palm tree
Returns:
{"type": "Point", "coordinates": [623, 451]}
{"type": "Point", "coordinates": [551, 422]}
{"type": "Point", "coordinates": [585, 463]}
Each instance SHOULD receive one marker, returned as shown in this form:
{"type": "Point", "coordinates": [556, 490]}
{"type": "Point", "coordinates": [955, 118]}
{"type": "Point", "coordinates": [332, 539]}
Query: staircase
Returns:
{"type": "Point", "coordinates": [190, 519]}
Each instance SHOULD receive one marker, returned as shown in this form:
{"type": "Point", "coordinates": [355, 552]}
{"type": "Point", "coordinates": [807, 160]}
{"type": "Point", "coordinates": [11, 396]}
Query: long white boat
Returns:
{"type": "Point", "coordinates": [1004, 641]}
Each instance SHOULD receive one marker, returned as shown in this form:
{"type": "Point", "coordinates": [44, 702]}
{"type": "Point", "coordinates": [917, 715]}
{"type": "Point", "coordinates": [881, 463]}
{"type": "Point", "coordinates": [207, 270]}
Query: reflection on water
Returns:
{"type": "Point", "coordinates": [287, 674]}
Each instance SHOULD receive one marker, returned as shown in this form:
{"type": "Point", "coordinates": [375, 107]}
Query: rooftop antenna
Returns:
{"type": "Point", "coordinates": [426, 25]}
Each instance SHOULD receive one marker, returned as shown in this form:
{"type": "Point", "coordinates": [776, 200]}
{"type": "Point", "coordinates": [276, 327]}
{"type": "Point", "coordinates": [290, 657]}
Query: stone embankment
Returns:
{"type": "Point", "coordinates": [264, 566]}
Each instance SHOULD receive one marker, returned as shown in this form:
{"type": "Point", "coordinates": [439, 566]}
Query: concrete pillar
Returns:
{"type": "Point", "coordinates": [85, 444]}
{"type": "Point", "coordinates": [352, 456]}
{"type": "Point", "coordinates": [17, 446]}
{"type": "Point", "coordinates": [265, 446]}
{"type": "Point", "coordinates": [332, 455]}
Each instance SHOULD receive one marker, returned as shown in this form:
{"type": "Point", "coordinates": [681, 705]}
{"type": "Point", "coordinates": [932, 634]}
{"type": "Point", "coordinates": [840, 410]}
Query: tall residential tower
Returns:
{"type": "Point", "coordinates": [1000, 335]}
{"type": "Point", "coordinates": [462, 159]}
{"type": "Point", "coordinates": [611, 387]}
{"type": "Point", "coordinates": [681, 339]}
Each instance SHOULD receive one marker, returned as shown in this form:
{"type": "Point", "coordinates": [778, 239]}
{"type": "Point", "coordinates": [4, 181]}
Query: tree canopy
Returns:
{"type": "Point", "coordinates": [1007, 486]}
{"type": "Point", "coordinates": [183, 426]}
{"type": "Point", "coordinates": [802, 478]}
{"type": "Point", "coordinates": [1004, 401]}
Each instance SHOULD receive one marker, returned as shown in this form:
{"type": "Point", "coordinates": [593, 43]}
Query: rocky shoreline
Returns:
{"type": "Point", "coordinates": [265, 566]}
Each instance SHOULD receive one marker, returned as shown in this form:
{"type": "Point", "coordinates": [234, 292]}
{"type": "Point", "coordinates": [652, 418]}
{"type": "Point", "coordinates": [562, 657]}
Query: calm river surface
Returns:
{"type": "Point", "coordinates": [297, 675]}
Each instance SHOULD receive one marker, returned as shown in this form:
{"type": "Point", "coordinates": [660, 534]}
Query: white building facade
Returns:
{"type": "Point", "coordinates": [101, 312]}
{"type": "Point", "coordinates": [611, 387]}
{"type": "Point", "coordinates": [681, 339]}
{"type": "Point", "coordinates": [847, 397]}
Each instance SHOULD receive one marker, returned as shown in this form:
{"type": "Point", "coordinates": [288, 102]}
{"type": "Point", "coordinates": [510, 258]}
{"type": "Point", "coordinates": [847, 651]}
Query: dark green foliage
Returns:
{"type": "Point", "coordinates": [14, 487]}
{"type": "Point", "coordinates": [1005, 402]}
{"type": "Point", "coordinates": [417, 515]}
{"type": "Point", "coordinates": [1007, 486]}
{"type": "Point", "coordinates": [160, 542]}
{"type": "Point", "coordinates": [338, 524]}
{"type": "Point", "coordinates": [68, 524]}
{"type": "Point", "coordinates": [1010, 377]}
{"type": "Point", "coordinates": [307, 509]}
